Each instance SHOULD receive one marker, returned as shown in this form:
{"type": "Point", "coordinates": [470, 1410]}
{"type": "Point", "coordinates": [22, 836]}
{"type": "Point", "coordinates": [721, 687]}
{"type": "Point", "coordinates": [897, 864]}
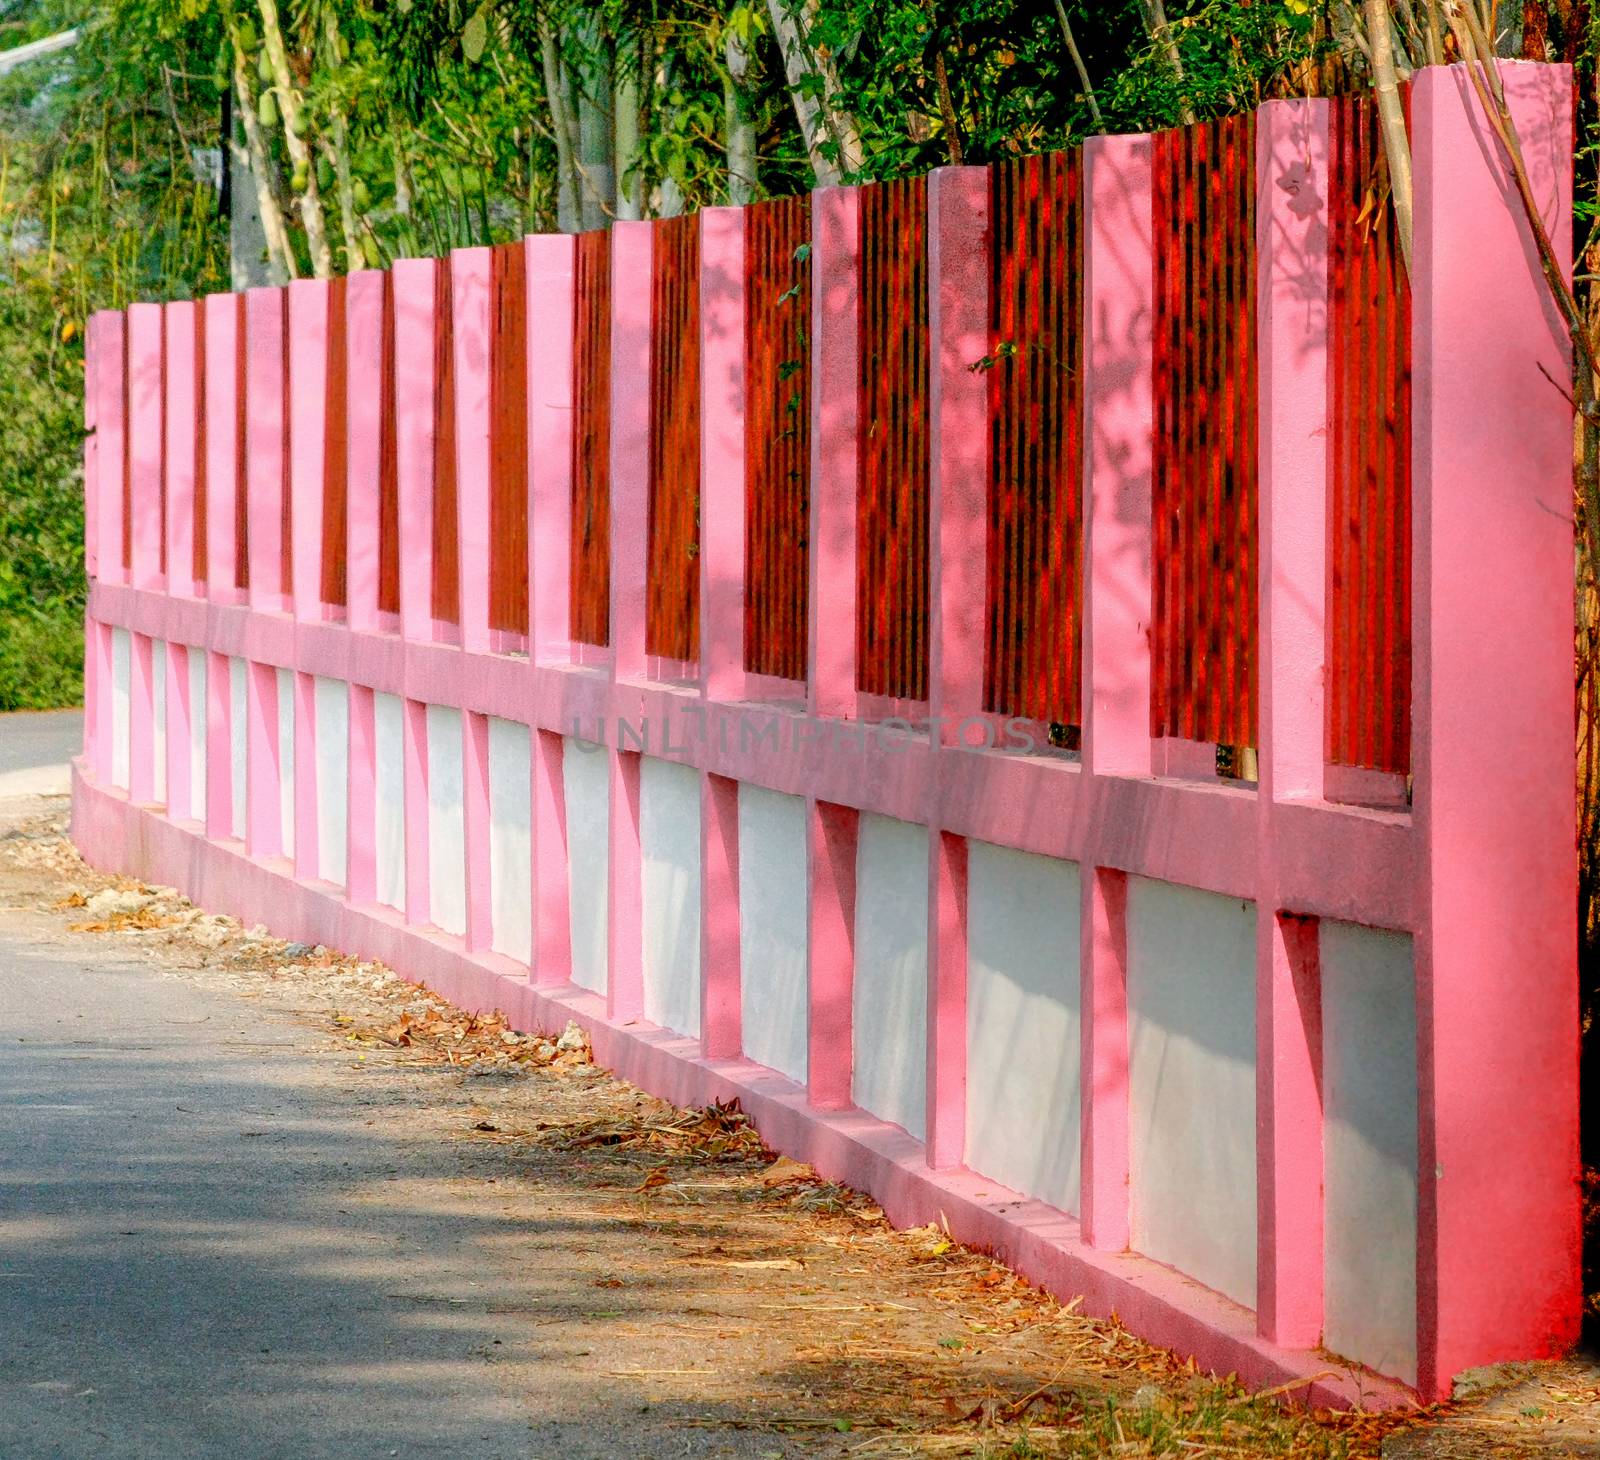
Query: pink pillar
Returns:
{"type": "Point", "coordinates": [720, 967]}
{"type": "Point", "coordinates": [219, 748]}
{"type": "Point", "coordinates": [141, 720]}
{"type": "Point", "coordinates": [552, 911]}
{"type": "Point", "coordinates": [958, 267]}
{"type": "Point", "coordinates": [98, 700]}
{"type": "Point", "coordinates": [476, 813]}
{"type": "Point", "coordinates": [111, 441]}
{"type": "Point", "coordinates": [831, 837]}
{"type": "Point", "coordinates": [263, 807]}
{"type": "Point", "coordinates": [307, 852]}
{"type": "Point", "coordinates": [1103, 1182]}
{"type": "Point", "coordinates": [947, 1000]}
{"type": "Point", "coordinates": [180, 805]}
{"type": "Point", "coordinates": [266, 441]}
{"type": "Point", "coordinates": [625, 891]}
{"type": "Point", "coordinates": [182, 396]}
{"type": "Point", "coordinates": [416, 793]}
{"type": "Point", "coordinates": [722, 483]}
{"type": "Point", "coordinates": [550, 289]}
{"type": "Point", "coordinates": [144, 441]}
{"type": "Point", "coordinates": [91, 467]}
{"type": "Point", "coordinates": [835, 289]}
{"type": "Point", "coordinates": [224, 319]}
{"type": "Point", "coordinates": [1292, 185]}
{"type": "Point", "coordinates": [413, 365]}
{"type": "Point", "coordinates": [308, 406]}
{"type": "Point", "coordinates": [630, 446]}
{"type": "Point", "coordinates": [470, 303]}
{"type": "Point", "coordinates": [1498, 1213]}
{"type": "Point", "coordinates": [363, 323]}
{"type": "Point", "coordinates": [361, 850]}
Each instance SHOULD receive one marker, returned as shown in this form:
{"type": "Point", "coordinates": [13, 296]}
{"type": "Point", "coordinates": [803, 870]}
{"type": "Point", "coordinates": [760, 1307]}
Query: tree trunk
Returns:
{"type": "Point", "coordinates": [825, 125]}
{"type": "Point", "coordinates": [1155, 21]}
{"type": "Point", "coordinates": [257, 164]}
{"type": "Point", "coordinates": [1082, 70]}
{"type": "Point", "coordinates": [353, 257]}
{"type": "Point", "coordinates": [625, 92]}
{"type": "Point", "coordinates": [558, 94]}
{"type": "Point", "coordinates": [1391, 118]}
{"type": "Point", "coordinates": [289, 108]}
{"type": "Point", "coordinates": [597, 178]}
{"type": "Point", "coordinates": [738, 122]}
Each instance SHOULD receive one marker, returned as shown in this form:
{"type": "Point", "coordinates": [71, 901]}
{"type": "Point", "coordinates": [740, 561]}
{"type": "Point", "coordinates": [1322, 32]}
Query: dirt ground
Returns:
{"type": "Point", "coordinates": [744, 1306]}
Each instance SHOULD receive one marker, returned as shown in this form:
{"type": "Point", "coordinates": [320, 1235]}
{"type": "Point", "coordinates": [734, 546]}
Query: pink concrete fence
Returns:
{"type": "Point", "coordinates": [1281, 1070]}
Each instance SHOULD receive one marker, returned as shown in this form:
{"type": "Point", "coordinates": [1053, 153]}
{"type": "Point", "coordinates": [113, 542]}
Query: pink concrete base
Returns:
{"type": "Point", "coordinates": [1041, 1243]}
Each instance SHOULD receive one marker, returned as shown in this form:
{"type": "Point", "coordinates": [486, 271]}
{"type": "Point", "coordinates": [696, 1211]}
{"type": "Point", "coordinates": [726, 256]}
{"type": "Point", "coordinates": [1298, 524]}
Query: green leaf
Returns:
{"type": "Point", "coordinates": [475, 38]}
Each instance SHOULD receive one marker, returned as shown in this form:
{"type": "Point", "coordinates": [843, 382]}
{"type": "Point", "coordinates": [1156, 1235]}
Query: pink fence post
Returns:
{"type": "Point", "coordinates": [223, 322]}
{"type": "Point", "coordinates": [552, 910]}
{"type": "Point", "coordinates": [947, 1000]}
{"type": "Point", "coordinates": [1103, 1161]}
{"type": "Point", "coordinates": [1498, 1261]}
{"type": "Point", "coordinates": [722, 474]}
{"type": "Point", "coordinates": [141, 720]}
{"type": "Point", "coordinates": [263, 805]}
{"type": "Point", "coordinates": [720, 982]}
{"type": "Point", "coordinates": [363, 459]}
{"type": "Point", "coordinates": [91, 460]}
{"type": "Point", "coordinates": [111, 441]}
{"type": "Point", "coordinates": [219, 748]}
{"type": "Point", "coordinates": [835, 411]}
{"type": "Point", "coordinates": [470, 304]}
{"type": "Point", "coordinates": [1292, 203]}
{"type": "Point", "coordinates": [144, 442]}
{"type": "Point", "coordinates": [624, 890]}
{"type": "Point", "coordinates": [475, 827]}
{"type": "Point", "coordinates": [630, 445]}
{"type": "Point", "coordinates": [266, 433]}
{"type": "Point", "coordinates": [308, 406]}
{"type": "Point", "coordinates": [415, 731]}
{"type": "Point", "coordinates": [180, 713]}
{"type": "Point", "coordinates": [182, 396]}
{"type": "Point", "coordinates": [361, 805]}
{"type": "Point", "coordinates": [307, 850]}
{"type": "Point", "coordinates": [550, 326]}
{"type": "Point", "coordinates": [832, 833]}
{"type": "Point", "coordinates": [414, 385]}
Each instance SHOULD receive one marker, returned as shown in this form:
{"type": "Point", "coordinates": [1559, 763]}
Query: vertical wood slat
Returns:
{"type": "Point", "coordinates": [1033, 595]}
{"type": "Point", "coordinates": [335, 443]}
{"type": "Point", "coordinates": [241, 477]}
{"type": "Point", "coordinates": [777, 435]}
{"type": "Point", "coordinates": [388, 466]}
{"type": "Point", "coordinates": [446, 546]}
{"type": "Point", "coordinates": [590, 591]}
{"type": "Point", "coordinates": [892, 471]}
{"type": "Point", "coordinates": [672, 601]}
{"type": "Point", "coordinates": [201, 553]}
{"type": "Point", "coordinates": [508, 439]}
{"type": "Point", "coordinates": [1204, 488]}
{"type": "Point", "coordinates": [285, 493]}
{"type": "Point", "coordinates": [1369, 497]}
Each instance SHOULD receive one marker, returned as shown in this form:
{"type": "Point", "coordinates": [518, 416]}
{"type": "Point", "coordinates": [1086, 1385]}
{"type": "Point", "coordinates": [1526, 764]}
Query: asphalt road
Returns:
{"type": "Point", "coordinates": [35, 751]}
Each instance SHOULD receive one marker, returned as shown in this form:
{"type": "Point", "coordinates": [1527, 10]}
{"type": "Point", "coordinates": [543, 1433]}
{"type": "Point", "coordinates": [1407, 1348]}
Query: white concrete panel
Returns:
{"type": "Point", "coordinates": [772, 930]}
{"type": "Point", "coordinates": [1369, 1091]}
{"type": "Point", "coordinates": [1023, 1022]}
{"type": "Point", "coordinates": [121, 695]}
{"type": "Point", "coordinates": [158, 703]}
{"type": "Point", "coordinates": [890, 997]}
{"type": "Point", "coordinates": [669, 847]}
{"type": "Point", "coordinates": [333, 777]}
{"type": "Point", "coordinates": [447, 830]}
{"type": "Point", "coordinates": [198, 707]}
{"type": "Point", "coordinates": [286, 750]}
{"type": "Point", "coordinates": [389, 794]}
{"type": "Point", "coordinates": [1192, 1083]}
{"type": "Point", "coordinates": [586, 785]}
{"type": "Point", "coordinates": [511, 838]}
{"type": "Point", "coordinates": [239, 729]}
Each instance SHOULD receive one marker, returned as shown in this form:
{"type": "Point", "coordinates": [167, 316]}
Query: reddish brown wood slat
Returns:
{"type": "Point", "coordinates": [388, 466]}
{"type": "Point", "coordinates": [1204, 642]}
{"type": "Point", "coordinates": [335, 444]}
{"type": "Point", "coordinates": [892, 451]}
{"type": "Point", "coordinates": [508, 440]}
{"type": "Point", "coordinates": [777, 435]}
{"type": "Point", "coordinates": [1369, 493]}
{"type": "Point", "coordinates": [590, 587]}
{"type": "Point", "coordinates": [672, 573]}
{"type": "Point", "coordinates": [1033, 600]}
{"type": "Point", "coordinates": [446, 562]}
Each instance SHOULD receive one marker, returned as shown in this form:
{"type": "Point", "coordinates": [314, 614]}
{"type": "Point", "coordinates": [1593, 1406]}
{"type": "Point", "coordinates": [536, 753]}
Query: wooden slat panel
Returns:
{"type": "Point", "coordinates": [446, 563]}
{"type": "Point", "coordinates": [590, 593]}
{"type": "Point", "coordinates": [335, 443]}
{"type": "Point", "coordinates": [508, 440]}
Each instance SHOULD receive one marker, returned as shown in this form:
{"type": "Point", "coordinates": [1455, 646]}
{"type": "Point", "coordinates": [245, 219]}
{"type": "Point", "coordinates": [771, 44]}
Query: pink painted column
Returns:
{"type": "Point", "coordinates": [363, 324]}
{"type": "Point", "coordinates": [111, 442]}
{"type": "Point", "coordinates": [831, 837]}
{"type": "Point", "coordinates": [552, 910]}
{"type": "Point", "coordinates": [625, 935]}
{"type": "Point", "coordinates": [266, 433]}
{"type": "Point", "coordinates": [263, 808]}
{"type": "Point", "coordinates": [415, 732]}
{"type": "Point", "coordinates": [414, 385]}
{"type": "Point", "coordinates": [307, 852]}
{"type": "Point", "coordinates": [947, 1000]}
{"type": "Point", "coordinates": [91, 463]}
{"type": "Point", "coordinates": [308, 406]}
{"type": "Point", "coordinates": [183, 388]}
{"type": "Point", "coordinates": [475, 821]}
{"type": "Point", "coordinates": [1292, 185]}
{"type": "Point", "coordinates": [224, 320]}
{"type": "Point", "coordinates": [550, 319]}
{"type": "Point", "coordinates": [1118, 426]}
{"type": "Point", "coordinates": [835, 410]}
{"type": "Point", "coordinates": [720, 965]}
{"type": "Point", "coordinates": [1498, 1263]}
{"type": "Point", "coordinates": [219, 748]}
{"type": "Point", "coordinates": [141, 720]}
{"type": "Point", "coordinates": [469, 295]}
{"type": "Point", "coordinates": [144, 441]}
{"type": "Point", "coordinates": [630, 445]}
{"type": "Point", "coordinates": [722, 474]}
{"type": "Point", "coordinates": [180, 800]}
{"type": "Point", "coordinates": [361, 806]}
{"type": "Point", "coordinates": [98, 695]}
